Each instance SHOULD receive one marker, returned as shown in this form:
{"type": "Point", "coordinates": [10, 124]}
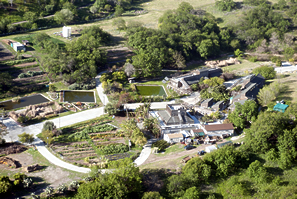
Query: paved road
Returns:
{"type": "Point", "coordinates": [15, 129]}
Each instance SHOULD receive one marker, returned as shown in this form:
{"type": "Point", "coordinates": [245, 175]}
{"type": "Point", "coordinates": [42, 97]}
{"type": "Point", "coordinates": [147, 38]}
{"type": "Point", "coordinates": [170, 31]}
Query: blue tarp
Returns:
{"type": "Point", "coordinates": [280, 107]}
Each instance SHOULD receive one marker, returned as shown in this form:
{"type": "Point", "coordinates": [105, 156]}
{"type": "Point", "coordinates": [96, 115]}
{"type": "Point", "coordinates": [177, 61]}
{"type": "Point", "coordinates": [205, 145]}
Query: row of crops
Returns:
{"type": "Point", "coordinates": [93, 138]}
{"type": "Point", "coordinates": [84, 134]}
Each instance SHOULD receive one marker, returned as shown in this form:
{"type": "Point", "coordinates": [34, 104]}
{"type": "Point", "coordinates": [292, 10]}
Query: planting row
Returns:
{"type": "Point", "coordinates": [75, 127]}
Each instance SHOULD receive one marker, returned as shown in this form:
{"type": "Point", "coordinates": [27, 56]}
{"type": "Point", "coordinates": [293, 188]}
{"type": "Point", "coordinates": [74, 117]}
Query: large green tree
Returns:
{"type": "Point", "coordinates": [65, 16]}
{"type": "Point", "coordinates": [123, 182]}
{"type": "Point", "coordinates": [81, 59]}
{"type": "Point", "coordinates": [244, 113]}
{"type": "Point", "coordinates": [265, 131]}
{"type": "Point", "coordinates": [182, 35]}
{"type": "Point", "coordinates": [225, 5]}
{"type": "Point", "coordinates": [266, 71]}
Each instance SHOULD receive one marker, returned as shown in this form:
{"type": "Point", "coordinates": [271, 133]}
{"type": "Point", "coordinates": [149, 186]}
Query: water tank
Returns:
{"type": "Point", "coordinates": [66, 31]}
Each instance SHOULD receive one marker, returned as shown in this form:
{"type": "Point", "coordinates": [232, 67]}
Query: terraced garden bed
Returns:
{"type": "Point", "coordinates": [101, 142]}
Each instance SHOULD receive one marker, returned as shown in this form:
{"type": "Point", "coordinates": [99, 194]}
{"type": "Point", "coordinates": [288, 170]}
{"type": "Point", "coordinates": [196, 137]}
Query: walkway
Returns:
{"type": "Point", "coordinates": [145, 153]}
{"type": "Point", "coordinates": [56, 161]}
{"type": "Point", "coordinates": [99, 88]}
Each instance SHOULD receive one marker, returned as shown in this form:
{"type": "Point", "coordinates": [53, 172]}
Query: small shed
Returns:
{"type": "Point", "coordinates": [173, 138]}
{"type": "Point", "coordinates": [17, 46]}
{"type": "Point", "coordinates": [210, 149]}
{"type": "Point", "coordinates": [219, 129]}
{"type": "Point", "coordinates": [280, 107]}
{"type": "Point", "coordinates": [224, 143]}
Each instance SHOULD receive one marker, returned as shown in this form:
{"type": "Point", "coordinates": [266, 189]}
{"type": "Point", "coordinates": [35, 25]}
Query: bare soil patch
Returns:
{"type": "Point", "coordinates": [12, 148]}
{"type": "Point", "coordinates": [5, 54]}
{"type": "Point", "coordinates": [172, 160]}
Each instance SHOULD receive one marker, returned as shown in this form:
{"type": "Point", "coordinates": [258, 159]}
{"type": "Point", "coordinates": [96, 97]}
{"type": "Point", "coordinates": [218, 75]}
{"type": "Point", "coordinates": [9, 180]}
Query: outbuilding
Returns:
{"type": "Point", "coordinates": [210, 148]}
{"type": "Point", "coordinates": [17, 46]}
{"type": "Point", "coordinates": [173, 138]}
{"type": "Point", "coordinates": [224, 144]}
{"type": "Point", "coordinates": [219, 129]}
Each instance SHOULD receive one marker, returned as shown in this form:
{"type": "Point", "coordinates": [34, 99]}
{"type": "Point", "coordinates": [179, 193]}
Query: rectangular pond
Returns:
{"type": "Point", "coordinates": [79, 96]}
{"type": "Point", "coordinates": [24, 101]}
{"type": "Point", "coordinates": [150, 90]}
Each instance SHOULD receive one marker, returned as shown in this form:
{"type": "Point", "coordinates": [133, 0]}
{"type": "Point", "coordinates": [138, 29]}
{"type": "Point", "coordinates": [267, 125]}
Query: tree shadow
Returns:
{"type": "Point", "coordinates": [238, 5]}
{"type": "Point", "coordinates": [252, 158]}
{"type": "Point", "coordinates": [219, 20]}
{"type": "Point", "coordinates": [212, 195]}
{"type": "Point", "coordinates": [26, 192]}
{"type": "Point", "coordinates": [116, 40]}
{"type": "Point", "coordinates": [29, 49]}
{"type": "Point", "coordinates": [275, 171]}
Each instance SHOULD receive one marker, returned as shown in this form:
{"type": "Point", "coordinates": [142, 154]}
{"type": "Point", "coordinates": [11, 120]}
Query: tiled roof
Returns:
{"type": "Point", "coordinates": [197, 130]}
{"type": "Point", "coordinates": [219, 127]}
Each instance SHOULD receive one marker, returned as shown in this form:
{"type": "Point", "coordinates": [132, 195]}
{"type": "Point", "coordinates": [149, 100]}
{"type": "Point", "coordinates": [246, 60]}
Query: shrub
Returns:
{"type": "Point", "coordinates": [5, 184]}
{"type": "Point", "coordinates": [161, 144]}
{"type": "Point", "coordinates": [90, 84]}
{"type": "Point", "coordinates": [22, 119]}
{"type": "Point", "coordinates": [114, 148]}
{"type": "Point", "coordinates": [253, 59]}
{"type": "Point", "coordinates": [30, 74]}
{"type": "Point", "coordinates": [52, 88]}
{"type": "Point", "coordinates": [266, 71]}
{"type": "Point", "coordinates": [225, 5]}
{"type": "Point", "coordinates": [14, 62]}
{"type": "Point", "coordinates": [19, 178]}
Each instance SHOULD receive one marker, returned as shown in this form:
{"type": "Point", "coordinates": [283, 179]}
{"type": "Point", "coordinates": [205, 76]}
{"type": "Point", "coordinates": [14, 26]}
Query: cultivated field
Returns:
{"type": "Point", "coordinates": [91, 141]}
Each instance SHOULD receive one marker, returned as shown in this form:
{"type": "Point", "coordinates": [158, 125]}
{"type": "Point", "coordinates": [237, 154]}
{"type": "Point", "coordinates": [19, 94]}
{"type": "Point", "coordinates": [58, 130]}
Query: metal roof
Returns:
{"type": "Point", "coordinates": [175, 135]}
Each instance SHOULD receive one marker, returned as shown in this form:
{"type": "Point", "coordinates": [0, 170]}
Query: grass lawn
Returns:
{"type": "Point", "coordinates": [242, 69]}
{"type": "Point", "coordinates": [98, 100]}
{"type": "Point", "coordinates": [38, 157]}
{"type": "Point", "coordinates": [172, 149]}
{"type": "Point", "coordinates": [289, 92]}
{"type": "Point", "coordinates": [168, 164]}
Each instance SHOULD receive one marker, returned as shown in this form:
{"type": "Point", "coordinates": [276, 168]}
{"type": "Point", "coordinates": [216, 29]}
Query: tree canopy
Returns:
{"type": "Point", "coordinates": [81, 59]}
{"type": "Point", "coordinates": [243, 114]}
{"type": "Point", "coordinates": [180, 33]}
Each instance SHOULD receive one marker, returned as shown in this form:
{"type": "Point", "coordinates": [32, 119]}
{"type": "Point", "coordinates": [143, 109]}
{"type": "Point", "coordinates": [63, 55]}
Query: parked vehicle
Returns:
{"type": "Point", "coordinates": [201, 152]}
{"type": "Point", "coordinates": [189, 147]}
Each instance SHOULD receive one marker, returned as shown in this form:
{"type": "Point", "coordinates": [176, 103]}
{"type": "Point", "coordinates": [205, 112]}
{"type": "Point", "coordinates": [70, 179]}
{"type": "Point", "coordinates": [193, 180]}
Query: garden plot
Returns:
{"type": "Point", "coordinates": [90, 142]}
